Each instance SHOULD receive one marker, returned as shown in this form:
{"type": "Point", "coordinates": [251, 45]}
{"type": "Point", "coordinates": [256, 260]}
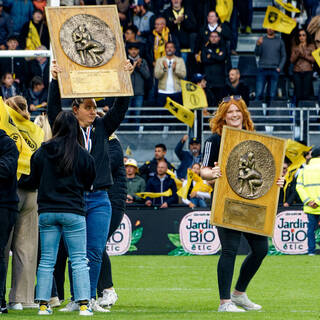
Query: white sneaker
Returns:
{"type": "Point", "coordinates": [54, 302]}
{"type": "Point", "coordinates": [95, 306]}
{"type": "Point", "coordinates": [244, 302]}
{"type": "Point", "coordinates": [229, 307]}
{"type": "Point", "coordinates": [45, 310]}
{"type": "Point", "coordinates": [15, 306]}
{"type": "Point", "coordinates": [85, 310]}
{"type": "Point", "coordinates": [71, 306]}
{"type": "Point", "coordinates": [109, 298]}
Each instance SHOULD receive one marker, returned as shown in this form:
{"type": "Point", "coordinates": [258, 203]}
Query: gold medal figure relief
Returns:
{"type": "Point", "coordinates": [87, 40]}
{"type": "Point", "coordinates": [250, 169]}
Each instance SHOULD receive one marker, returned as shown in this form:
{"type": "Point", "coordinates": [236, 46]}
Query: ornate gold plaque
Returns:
{"type": "Point", "coordinates": [244, 214]}
{"type": "Point", "coordinates": [88, 45]}
{"type": "Point", "coordinates": [246, 196]}
{"type": "Point", "coordinates": [250, 169]}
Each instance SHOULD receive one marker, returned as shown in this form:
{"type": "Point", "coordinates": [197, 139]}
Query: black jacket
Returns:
{"type": "Point", "coordinates": [118, 191]}
{"type": "Point", "coordinates": [56, 191]}
{"type": "Point", "coordinates": [8, 172]}
{"type": "Point", "coordinates": [241, 90]}
{"type": "Point", "coordinates": [102, 129]}
{"type": "Point", "coordinates": [149, 168]}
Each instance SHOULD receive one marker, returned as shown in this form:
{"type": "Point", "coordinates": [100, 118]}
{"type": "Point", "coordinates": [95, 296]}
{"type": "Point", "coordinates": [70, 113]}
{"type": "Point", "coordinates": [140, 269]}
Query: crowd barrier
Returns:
{"type": "Point", "coordinates": [180, 231]}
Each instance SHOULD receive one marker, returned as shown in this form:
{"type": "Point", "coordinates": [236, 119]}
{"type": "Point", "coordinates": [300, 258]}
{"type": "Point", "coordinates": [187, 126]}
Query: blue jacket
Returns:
{"type": "Point", "coordinates": [186, 158]}
{"type": "Point", "coordinates": [155, 185]}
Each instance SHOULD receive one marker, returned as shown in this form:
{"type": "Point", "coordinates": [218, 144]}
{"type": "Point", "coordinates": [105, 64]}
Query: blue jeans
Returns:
{"type": "Point", "coordinates": [98, 208]}
{"type": "Point", "coordinates": [200, 203]}
{"type": "Point", "coordinates": [312, 226]}
{"type": "Point", "coordinates": [73, 227]}
{"type": "Point", "coordinates": [270, 76]}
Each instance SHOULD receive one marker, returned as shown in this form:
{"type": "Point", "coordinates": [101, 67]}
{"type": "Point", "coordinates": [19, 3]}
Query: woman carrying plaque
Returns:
{"type": "Point", "coordinates": [233, 112]}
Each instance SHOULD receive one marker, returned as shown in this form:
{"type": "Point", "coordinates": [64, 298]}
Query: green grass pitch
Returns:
{"type": "Point", "coordinates": [162, 287]}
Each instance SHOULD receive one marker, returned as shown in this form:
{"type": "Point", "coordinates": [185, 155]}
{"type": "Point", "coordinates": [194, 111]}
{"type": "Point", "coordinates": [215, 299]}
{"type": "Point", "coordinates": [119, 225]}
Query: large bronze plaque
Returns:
{"type": "Point", "coordinates": [246, 196]}
{"type": "Point", "coordinates": [87, 43]}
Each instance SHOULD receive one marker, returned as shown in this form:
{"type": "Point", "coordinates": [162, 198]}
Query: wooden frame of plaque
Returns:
{"type": "Point", "coordinates": [246, 195]}
{"type": "Point", "coordinates": [87, 43]}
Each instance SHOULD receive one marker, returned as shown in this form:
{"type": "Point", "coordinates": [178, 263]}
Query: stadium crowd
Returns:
{"type": "Point", "coordinates": [166, 41]}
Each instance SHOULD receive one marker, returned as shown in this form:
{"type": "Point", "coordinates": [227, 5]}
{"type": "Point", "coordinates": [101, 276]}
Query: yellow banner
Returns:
{"type": "Point", "coordinates": [224, 9]}
{"type": "Point", "coordinates": [287, 6]}
{"type": "Point", "coordinates": [200, 185]}
{"type": "Point", "coordinates": [145, 195]}
{"type": "Point", "coordinates": [193, 96]}
{"type": "Point", "coordinates": [183, 192]}
{"type": "Point", "coordinates": [32, 134]}
{"type": "Point", "coordinates": [180, 112]}
{"type": "Point", "coordinates": [316, 55]}
{"type": "Point", "coordinates": [278, 21]}
{"type": "Point", "coordinates": [295, 152]}
{"type": "Point", "coordinates": [25, 153]}
{"type": "Point", "coordinates": [176, 180]}
{"type": "Point", "coordinates": [128, 151]}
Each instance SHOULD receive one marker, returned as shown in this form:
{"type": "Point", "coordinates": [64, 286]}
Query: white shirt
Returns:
{"type": "Point", "coordinates": [170, 80]}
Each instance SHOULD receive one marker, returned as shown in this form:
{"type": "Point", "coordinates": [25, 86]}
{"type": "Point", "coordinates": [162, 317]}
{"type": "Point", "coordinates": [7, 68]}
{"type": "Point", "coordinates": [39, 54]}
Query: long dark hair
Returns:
{"type": "Point", "coordinates": [66, 131]}
{"type": "Point", "coordinates": [297, 40]}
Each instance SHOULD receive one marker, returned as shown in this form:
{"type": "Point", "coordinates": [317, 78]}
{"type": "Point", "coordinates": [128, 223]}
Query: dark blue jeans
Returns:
{"type": "Point", "coordinates": [264, 76]}
{"type": "Point", "coordinates": [312, 227]}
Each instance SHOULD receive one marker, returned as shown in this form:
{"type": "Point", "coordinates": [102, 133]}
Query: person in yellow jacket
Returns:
{"type": "Point", "coordinates": [308, 188]}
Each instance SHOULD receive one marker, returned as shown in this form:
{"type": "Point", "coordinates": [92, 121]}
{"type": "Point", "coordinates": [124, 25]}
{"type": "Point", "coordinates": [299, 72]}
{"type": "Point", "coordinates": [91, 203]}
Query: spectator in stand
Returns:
{"type": "Point", "coordinates": [213, 58]}
{"type": "Point", "coordinates": [195, 198]}
{"type": "Point", "coordinates": [39, 67]}
{"type": "Point", "coordinates": [134, 182]}
{"type": "Point", "coordinates": [302, 61]}
{"type": "Point", "coordinates": [272, 57]}
{"type": "Point", "coordinates": [37, 96]}
{"type": "Point", "coordinates": [8, 203]}
{"type": "Point", "coordinates": [169, 70]}
{"type": "Point", "coordinates": [161, 182]}
{"type": "Point", "coordinates": [143, 19]}
{"type": "Point", "coordinates": [149, 168]}
{"type": "Point", "coordinates": [40, 4]}
{"type": "Point", "coordinates": [6, 27]}
{"type": "Point", "coordinates": [182, 23]}
{"type": "Point", "coordinates": [308, 187]}
{"type": "Point", "coordinates": [213, 24]}
{"type": "Point", "coordinates": [187, 158]}
{"type": "Point", "coordinates": [20, 13]}
{"type": "Point", "coordinates": [8, 87]}
{"type": "Point", "coordinates": [15, 65]}
{"type": "Point", "coordinates": [235, 87]}
{"type": "Point", "coordinates": [139, 77]}
{"type": "Point", "coordinates": [34, 33]}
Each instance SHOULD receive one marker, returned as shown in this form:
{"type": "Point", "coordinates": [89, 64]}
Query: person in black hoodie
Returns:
{"type": "Point", "coordinates": [98, 208]}
{"type": "Point", "coordinates": [8, 200]}
{"type": "Point", "coordinates": [62, 171]}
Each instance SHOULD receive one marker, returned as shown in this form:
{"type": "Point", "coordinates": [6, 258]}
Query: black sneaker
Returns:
{"type": "Point", "coordinates": [4, 308]}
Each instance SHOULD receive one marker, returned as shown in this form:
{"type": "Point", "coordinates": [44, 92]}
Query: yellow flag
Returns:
{"type": "Point", "coordinates": [176, 180]}
{"type": "Point", "coordinates": [295, 153]}
{"type": "Point", "coordinates": [224, 9]}
{"type": "Point", "coordinates": [180, 112]}
{"type": "Point", "coordinates": [32, 134]}
{"type": "Point", "coordinates": [287, 6]}
{"type": "Point", "coordinates": [200, 185]}
{"type": "Point", "coordinates": [193, 96]}
{"type": "Point", "coordinates": [278, 21]}
{"type": "Point", "coordinates": [33, 39]}
{"type": "Point", "coordinates": [128, 151]}
{"type": "Point", "coordinates": [183, 192]}
{"type": "Point", "coordinates": [25, 153]}
{"type": "Point", "coordinates": [145, 195]}
{"type": "Point", "coordinates": [316, 55]}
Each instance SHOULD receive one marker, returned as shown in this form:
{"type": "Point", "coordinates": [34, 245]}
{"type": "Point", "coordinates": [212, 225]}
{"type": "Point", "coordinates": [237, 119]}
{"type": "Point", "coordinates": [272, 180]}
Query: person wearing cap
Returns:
{"type": "Point", "coordinates": [143, 19]}
{"type": "Point", "coordinates": [308, 188]}
{"type": "Point", "coordinates": [6, 27]}
{"type": "Point", "coordinates": [235, 87]}
{"type": "Point", "coordinates": [139, 76]}
{"type": "Point", "coordinates": [134, 182]}
{"type": "Point", "coordinates": [187, 158]}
